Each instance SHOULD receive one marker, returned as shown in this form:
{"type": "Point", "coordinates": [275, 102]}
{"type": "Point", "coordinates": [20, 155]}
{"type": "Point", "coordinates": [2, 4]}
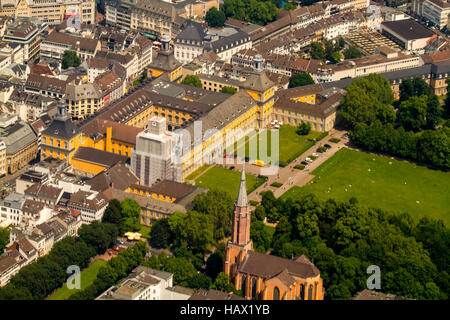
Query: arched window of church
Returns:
{"type": "Point", "coordinates": [254, 288]}
{"type": "Point", "coordinates": [244, 285]}
{"type": "Point", "coordinates": [276, 293]}
{"type": "Point", "coordinates": [310, 292]}
{"type": "Point", "coordinates": [302, 292]}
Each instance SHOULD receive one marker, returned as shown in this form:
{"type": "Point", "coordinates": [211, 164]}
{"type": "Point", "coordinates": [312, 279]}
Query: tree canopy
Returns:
{"type": "Point", "coordinates": [193, 81]}
{"type": "Point", "coordinates": [228, 90]}
{"type": "Point", "coordinates": [215, 18]}
{"type": "Point", "coordinates": [344, 238]}
{"type": "Point", "coordinates": [4, 239]}
{"type": "Point", "coordinates": [368, 99]}
{"type": "Point", "coordinates": [70, 59]}
{"type": "Point", "coordinates": [352, 52]}
{"type": "Point", "coordinates": [300, 79]}
{"type": "Point", "coordinates": [254, 11]}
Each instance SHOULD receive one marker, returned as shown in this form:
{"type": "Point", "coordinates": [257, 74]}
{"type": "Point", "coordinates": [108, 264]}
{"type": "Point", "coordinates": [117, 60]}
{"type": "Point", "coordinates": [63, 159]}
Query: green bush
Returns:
{"type": "Point", "coordinates": [253, 203]}
{"type": "Point", "coordinates": [322, 135]}
{"type": "Point", "coordinates": [282, 164]}
{"type": "Point", "coordinates": [335, 140]}
{"type": "Point", "coordinates": [276, 184]}
{"type": "Point", "coordinates": [312, 157]}
{"type": "Point", "coordinates": [299, 167]}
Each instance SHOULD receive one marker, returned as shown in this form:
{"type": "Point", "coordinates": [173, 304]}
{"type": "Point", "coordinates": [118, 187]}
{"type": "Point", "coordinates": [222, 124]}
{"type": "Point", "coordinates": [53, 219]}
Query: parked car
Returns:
{"type": "Point", "coordinates": [345, 135]}
{"type": "Point", "coordinates": [304, 163]}
{"type": "Point", "coordinates": [232, 168]}
{"type": "Point", "coordinates": [308, 159]}
{"type": "Point", "coordinates": [315, 154]}
{"type": "Point", "coordinates": [326, 145]}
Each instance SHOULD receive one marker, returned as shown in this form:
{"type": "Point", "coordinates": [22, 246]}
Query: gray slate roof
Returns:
{"type": "Point", "coordinates": [17, 137]}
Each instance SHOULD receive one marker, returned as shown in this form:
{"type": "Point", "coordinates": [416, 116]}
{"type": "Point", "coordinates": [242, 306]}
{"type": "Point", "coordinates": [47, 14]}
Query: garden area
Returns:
{"type": "Point", "coordinates": [227, 180]}
{"type": "Point", "coordinates": [291, 145]}
{"type": "Point", "coordinates": [87, 277]}
{"type": "Point", "coordinates": [380, 182]}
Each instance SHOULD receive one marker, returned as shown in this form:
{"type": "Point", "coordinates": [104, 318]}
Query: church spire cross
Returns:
{"type": "Point", "coordinates": [242, 194]}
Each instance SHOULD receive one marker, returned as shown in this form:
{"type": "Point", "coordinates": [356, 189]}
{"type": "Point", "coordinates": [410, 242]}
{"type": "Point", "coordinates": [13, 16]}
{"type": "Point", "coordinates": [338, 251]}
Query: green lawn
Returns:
{"type": "Point", "coordinates": [379, 184]}
{"type": "Point", "coordinates": [194, 174]}
{"type": "Point", "coordinates": [88, 276]}
{"type": "Point", "coordinates": [145, 231]}
{"type": "Point", "coordinates": [290, 146]}
{"type": "Point", "coordinates": [226, 180]}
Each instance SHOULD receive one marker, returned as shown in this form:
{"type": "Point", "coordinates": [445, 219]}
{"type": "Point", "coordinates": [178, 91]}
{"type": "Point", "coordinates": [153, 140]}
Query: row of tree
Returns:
{"type": "Point", "coordinates": [40, 278]}
{"type": "Point", "coordinates": [410, 132]}
{"type": "Point", "coordinates": [116, 269]}
{"type": "Point", "coordinates": [344, 238]}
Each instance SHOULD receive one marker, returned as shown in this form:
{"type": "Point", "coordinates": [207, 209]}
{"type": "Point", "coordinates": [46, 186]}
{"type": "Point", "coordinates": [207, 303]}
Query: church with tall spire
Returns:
{"type": "Point", "coordinates": [261, 276]}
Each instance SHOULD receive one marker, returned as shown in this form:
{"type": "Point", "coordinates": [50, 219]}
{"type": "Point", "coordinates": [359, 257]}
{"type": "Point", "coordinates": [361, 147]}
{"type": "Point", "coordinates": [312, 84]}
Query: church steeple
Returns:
{"type": "Point", "coordinates": [242, 194]}
{"type": "Point", "coordinates": [241, 215]}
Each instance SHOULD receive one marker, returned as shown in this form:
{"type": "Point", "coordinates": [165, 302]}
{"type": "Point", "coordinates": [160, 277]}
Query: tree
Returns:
{"type": "Point", "coordinates": [130, 214]}
{"type": "Point", "coordinates": [303, 128]}
{"type": "Point", "coordinates": [413, 88]}
{"type": "Point", "coordinates": [434, 112]}
{"type": "Point", "coordinates": [4, 239]}
{"type": "Point", "coordinates": [290, 6]}
{"type": "Point", "coordinates": [215, 18]}
{"type": "Point", "coordinates": [219, 207]}
{"type": "Point", "coordinates": [199, 281]}
{"type": "Point", "coordinates": [352, 52]}
{"type": "Point", "coordinates": [181, 268]}
{"type": "Point", "coordinates": [193, 81]}
{"type": "Point", "coordinates": [228, 90]}
{"type": "Point", "coordinates": [70, 59]}
{"type": "Point", "coordinates": [411, 114]}
{"type": "Point", "coordinates": [300, 79]}
{"type": "Point", "coordinates": [160, 234]}
{"type": "Point", "coordinates": [214, 264]}
{"type": "Point", "coordinates": [446, 114]}
{"type": "Point", "coordinates": [98, 235]}
{"type": "Point", "coordinates": [113, 214]}
{"type": "Point", "coordinates": [261, 238]}
{"type": "Point", "coordinates": [197, 230]}
{"type": "Point", "coordinates": [317, 51]}
{"type": "Point", "coordinates": [222, 283]}
{"type": "Point", "coordinates": [368, 99]}
{"type": "Point", "coordinates": [336, 57]}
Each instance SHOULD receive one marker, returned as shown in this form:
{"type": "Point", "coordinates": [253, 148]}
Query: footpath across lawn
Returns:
{"type": "Point", "coordinates": [88, 276]}
{"type": "Point", "coordinates": [381, 182]}
{"type": "Point", "coordinates": [290, 145]}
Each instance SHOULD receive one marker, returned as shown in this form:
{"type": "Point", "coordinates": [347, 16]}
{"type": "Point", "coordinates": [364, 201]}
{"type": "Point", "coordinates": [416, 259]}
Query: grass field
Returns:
{"type": "Point", "coordinates": [381, 182]}
{"type": "Point", "coordinates": [291, 145]}
{"type": "Point", "coordinates": [88, 276]}
{"type": "Point", "coordinates": [197, 172]}
{"type": "Point", "coordinates": [226, 180]}
{"type": "Point", "coordinates": [145, 231]}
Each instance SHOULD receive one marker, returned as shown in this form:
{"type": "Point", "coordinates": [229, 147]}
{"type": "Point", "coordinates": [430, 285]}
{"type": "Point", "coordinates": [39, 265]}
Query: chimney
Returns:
{"type": "Point", "coordinates": [165, 41]}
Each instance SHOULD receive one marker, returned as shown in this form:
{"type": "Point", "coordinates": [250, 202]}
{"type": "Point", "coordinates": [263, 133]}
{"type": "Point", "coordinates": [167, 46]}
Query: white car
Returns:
{"type": "Point", "coordinates": [315, 154]}
{"type": "Point", "coordinates": [308, 160]}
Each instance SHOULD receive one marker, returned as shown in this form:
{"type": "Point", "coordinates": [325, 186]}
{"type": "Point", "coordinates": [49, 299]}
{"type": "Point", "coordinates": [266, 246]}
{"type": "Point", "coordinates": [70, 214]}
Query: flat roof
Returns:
{"type": "Point", "coordinates": [408, 29]}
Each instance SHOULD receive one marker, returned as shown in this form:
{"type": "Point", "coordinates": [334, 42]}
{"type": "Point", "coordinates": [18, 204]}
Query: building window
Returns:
{"type": "Point", "coordinates": [276, 293]}
{"type": "Point", "coordinates": [310, 292]}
